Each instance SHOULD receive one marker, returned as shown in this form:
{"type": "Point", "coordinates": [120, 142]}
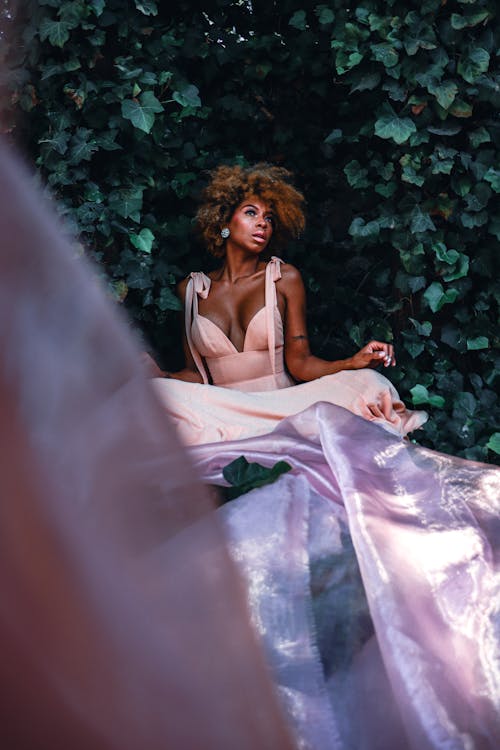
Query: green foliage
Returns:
{"type": "Point", "coordinates": [387, 112]}
{"type": "Point", "coordinates": [244, 476]}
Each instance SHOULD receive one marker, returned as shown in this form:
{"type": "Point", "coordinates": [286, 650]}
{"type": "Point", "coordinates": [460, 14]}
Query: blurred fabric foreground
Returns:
{"type": "Point", "coordinates": [123, 622]}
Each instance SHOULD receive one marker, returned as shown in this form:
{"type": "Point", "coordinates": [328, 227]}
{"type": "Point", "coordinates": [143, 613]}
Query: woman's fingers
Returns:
{"type": "Point", "coordinates": [381, 353]}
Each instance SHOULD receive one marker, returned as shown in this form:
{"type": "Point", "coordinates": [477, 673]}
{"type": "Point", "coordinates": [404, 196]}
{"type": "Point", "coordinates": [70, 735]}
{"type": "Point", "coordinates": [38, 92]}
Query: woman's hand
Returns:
{"type": "Point", "coordinates": [373, 354]}
{"type": "Point", "coordinates": [151, 367]}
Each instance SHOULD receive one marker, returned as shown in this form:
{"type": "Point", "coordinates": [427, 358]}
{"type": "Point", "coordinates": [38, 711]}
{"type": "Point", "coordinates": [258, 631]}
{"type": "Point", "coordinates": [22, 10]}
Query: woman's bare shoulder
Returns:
{"type": "Point", "coordinates": [291, 278]}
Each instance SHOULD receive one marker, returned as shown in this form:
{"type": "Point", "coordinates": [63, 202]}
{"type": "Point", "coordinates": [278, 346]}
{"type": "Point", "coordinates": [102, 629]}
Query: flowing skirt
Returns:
{"type": "Point", "coordinates": [372, 574]}
{"type": "Point", "coordinates": [209, 414]}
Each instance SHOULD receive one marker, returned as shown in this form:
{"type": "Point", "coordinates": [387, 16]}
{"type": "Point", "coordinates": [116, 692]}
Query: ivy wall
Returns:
{"type": "Point", "coordinates": [386, 111]}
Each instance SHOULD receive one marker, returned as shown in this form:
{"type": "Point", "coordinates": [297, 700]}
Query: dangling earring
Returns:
{"type": "Point", "coordinates": [224, 233]}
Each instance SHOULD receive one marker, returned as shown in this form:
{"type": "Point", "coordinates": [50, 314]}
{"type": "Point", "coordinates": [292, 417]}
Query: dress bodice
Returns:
{"type": "Point", "coordinates": [260, 365]}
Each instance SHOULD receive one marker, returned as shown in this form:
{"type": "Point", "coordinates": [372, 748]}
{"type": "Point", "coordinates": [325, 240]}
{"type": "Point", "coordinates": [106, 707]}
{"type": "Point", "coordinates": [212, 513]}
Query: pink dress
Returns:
{"type": "Point", "coordinates": [251, 391]}
{"type": "Point", "coordinates": [372, 567]}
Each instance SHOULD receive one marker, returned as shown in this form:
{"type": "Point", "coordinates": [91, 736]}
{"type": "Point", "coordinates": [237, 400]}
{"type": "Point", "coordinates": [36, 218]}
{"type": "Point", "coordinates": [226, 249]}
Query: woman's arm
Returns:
{"type": "Point", "coordinates": [303, 365]}
{"type": "Point", "coordinates": [190, 372]}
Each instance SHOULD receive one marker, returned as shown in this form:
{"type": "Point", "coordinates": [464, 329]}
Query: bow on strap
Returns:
{"type": "Point", "coordinates": [198, 284]}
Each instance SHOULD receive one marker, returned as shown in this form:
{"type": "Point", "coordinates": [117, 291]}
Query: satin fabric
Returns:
{"type": "Point", "coordinates": [409, 658]}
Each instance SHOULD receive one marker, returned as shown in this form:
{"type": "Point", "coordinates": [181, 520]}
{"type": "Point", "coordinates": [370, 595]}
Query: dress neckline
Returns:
{"type": "Point", "coordinates": [225, 336]}
{"type": "Point", "coordinates": [199, 286]}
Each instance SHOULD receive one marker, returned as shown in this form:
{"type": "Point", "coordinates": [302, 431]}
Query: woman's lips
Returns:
{"type": "Point", "coordinates": [259, 237]}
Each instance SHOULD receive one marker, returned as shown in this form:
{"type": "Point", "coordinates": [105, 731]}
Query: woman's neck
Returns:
{"type": "Point", "coordinates": [238, 265]}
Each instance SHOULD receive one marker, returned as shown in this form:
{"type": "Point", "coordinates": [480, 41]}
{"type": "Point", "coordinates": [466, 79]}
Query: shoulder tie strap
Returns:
{"type": "Point", "coordinates": [198, 284]}
{"type": "Point", "coordinates": [273, 274]}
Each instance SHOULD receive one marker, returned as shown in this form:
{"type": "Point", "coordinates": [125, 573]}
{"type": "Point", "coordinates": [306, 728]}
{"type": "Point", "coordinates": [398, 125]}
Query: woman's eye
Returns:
{"type": "Point", "coordinates": [250, 212]}
{"type": "Point", "coordinates": [270, 220]}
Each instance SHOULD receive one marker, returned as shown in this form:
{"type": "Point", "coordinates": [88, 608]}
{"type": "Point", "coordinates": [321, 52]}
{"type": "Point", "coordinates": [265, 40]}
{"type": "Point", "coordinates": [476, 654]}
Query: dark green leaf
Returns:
{"type": "Point", "coordinates": [493, 443]}
{"type": "Point", "coordinates": [245, 476]}
{"type": "Point", "coordinates": [475, 62]}
{"type": "Point", "coordinates": [168, 300]}
{"type": "Point", "coordinates": [424, 329]}
{"type": "Point", "coordinates": [493, 177]}
{"type": "Point", "coordinates": [141, 112]}
{"type": "Point", "coordinates": [420, 221]}
{"type": "Point", "coordinates": [390, 126]}
{"type": "Point", "coordinates": [436, 297]}
{"type": "Point", "coordinates": [143, 241]}
{"type": "Point", "coordinates": [445, 92]}
{"type": "Point", "coordinates": [480, 342]}
{"type": "Point", "coordinates": [187, 96]}
{"type": "Point", "coordinates": [127, 202]}
{"type": "Point", "coordinates": [147, 7]}
{"type": "Point", "coordinates": [298, 20]}
{"type": "Point", "coordinates": [57, 32]}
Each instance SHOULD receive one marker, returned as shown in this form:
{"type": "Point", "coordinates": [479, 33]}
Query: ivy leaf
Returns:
{"type": "Point", "coordinates": [465, 403]}
{"type": "Point", "coordinates": [334, 137]}
{"type": "Point", "coordinates": [346, 60]}
{"type": "Point", "coordinates": [459, 108]}
{"type": "Point", "coordinates": [82, 146]}
{"type": "Point", "coordinates": [461, 269]}
{"type": "Point", "coordinates": [493, 443]}
{"type": "Point", "coordinates": [147, 7]}
{"type": "Point", "coordinates": [386, 189]}
{"type": "Point", "coordinates": [168, 300]}
{"type": "Point", "coordinates": [141, 112]}
{"type": "Point", "coordinates": [459, 22]}
{"type": "Point", "coordinates": [451, 335]}
{"type": "Point", "coordinates": [444, 92]}
{"type": "Point", "coordinates": [449, 130]}
{"type": "Point", "coordinates": [356, 176]}
{"type": "Point", "coordinates": [187, 96]}
{"type": "Point", "coordinates": [106, 140]}
{"type": "Point", "coordinates": [413, 346]}
{"type": "Point", "coordinates": [98, 6]}
{"type": "Point", "coordinates": [58, 142]}
{"type": "Point", "coordinates": [424, 329]}
{"type": "Point", "coordinates": [386, 54]}
{"type": "Point", "coordinates": [436, 297]}
{"type": "Point", "coordinates": [298, 20]}
{"type": "Point", "coordinates": [73, 12]}
{"type": "Point", "coordinates": [366, 83]}
{"type": "Point", "coordinates": [481, 342]}
{"type": "Point", "coordinates": [420, 221]}
{"type": "Point", "coordinates": [325, 15]}
{"type": "Point", "coordinates": [57, 32]}
{"type": "Point", "coordinates": [493, 177]}
{"type": "Point", "coordinates": [473, 64]}
{"type": "Point", "coordinates": [127, 202]}
{"type": "Point", "coordinates": [420, 395]}
{"type": "Point", "coordinates": [245, 476]}
{"type": "Point", "coordinates": [390, 126]}
{"type": "Point", "coordinates": [143, 241]}
{"type": "Point", "coordinates": [479, 136]}
{"type": "Point", "coordinates": [363, 230]}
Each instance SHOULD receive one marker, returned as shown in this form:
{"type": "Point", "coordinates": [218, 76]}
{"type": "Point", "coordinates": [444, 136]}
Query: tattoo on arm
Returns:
{"type": "Point", "coordinates": [297, 338]}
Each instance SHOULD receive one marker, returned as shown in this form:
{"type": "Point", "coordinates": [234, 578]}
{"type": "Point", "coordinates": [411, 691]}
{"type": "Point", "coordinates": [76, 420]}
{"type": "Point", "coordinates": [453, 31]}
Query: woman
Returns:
{"type": "Point", "coordinates": [245, 327]}
{"type": "Point", "coordinates": [371, 567]}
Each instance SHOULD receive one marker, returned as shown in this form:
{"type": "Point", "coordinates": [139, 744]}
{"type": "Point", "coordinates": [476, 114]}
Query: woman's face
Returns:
{"type": "Point", "coordinates": [251, 225]}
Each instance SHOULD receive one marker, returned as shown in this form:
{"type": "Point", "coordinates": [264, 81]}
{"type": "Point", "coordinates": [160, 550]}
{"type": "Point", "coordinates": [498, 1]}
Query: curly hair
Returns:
{"type": "Point", "coordinates": [229, 186]}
